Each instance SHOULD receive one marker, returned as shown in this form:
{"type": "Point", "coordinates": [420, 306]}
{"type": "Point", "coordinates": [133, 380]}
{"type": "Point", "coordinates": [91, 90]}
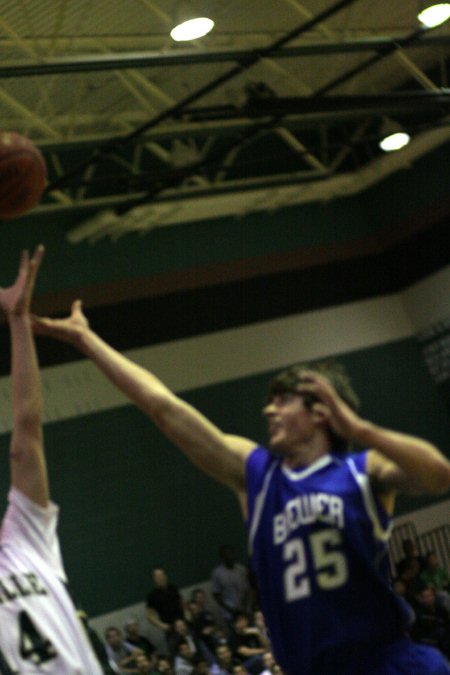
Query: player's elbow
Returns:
{"type": "Point", "coordinates": [162, 409]}
{"type": "Point", "coordinates": [24, 446]}
{"type": "Point", "coordinates": [28, 419]}
{"type": "Point", "coordinates": [438, 481]}
{"type": "Point", "coordinates": [445, 487]}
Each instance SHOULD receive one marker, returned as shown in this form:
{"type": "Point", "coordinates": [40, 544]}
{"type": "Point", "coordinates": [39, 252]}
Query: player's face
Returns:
{"type": "Point", "coordinates": [290, 421]}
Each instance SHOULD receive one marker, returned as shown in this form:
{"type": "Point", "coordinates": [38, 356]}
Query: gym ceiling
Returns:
{"type": "Point", "coordinates": [279, 107]}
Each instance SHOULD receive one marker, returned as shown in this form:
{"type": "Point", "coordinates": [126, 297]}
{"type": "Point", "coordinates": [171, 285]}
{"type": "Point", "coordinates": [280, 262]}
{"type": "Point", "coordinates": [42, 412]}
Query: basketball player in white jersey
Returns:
{"type": "Point", "coordinates": [39, 628]}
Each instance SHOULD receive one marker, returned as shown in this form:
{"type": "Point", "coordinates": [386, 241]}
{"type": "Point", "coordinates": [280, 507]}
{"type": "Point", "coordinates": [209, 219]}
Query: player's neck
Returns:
{"type": "Point", "coordinates": [306, 454]}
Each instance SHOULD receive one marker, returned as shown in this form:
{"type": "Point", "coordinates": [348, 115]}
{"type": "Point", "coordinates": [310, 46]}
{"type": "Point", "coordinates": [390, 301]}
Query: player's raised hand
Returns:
{"type": "Point", "coordinates": [68, 329]}
{"type": "Point", "coordinates": [15, 300]}
{"type": "Point", "coordinates": [340, 417]}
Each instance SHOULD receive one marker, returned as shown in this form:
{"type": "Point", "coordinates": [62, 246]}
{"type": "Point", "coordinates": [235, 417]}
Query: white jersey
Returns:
{"type": "Point", "coordinates": [39, 628]}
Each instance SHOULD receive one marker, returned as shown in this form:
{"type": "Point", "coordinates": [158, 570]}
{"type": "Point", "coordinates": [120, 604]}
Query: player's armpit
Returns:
{"type": "Point", "coordinates": [413, 465]}
{"type": "Point", "coordinates": [388, 479]}
{"type": "Point", "coordinates": [240, 448]}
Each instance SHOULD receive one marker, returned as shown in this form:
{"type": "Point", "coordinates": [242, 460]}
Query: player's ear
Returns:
{"type": "Point", "coordinates": [320, 413]}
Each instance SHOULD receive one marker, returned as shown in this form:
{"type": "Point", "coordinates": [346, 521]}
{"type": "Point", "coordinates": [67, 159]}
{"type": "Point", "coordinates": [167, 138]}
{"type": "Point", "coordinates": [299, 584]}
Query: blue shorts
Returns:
{"type": "Point", "coordinates": [400, 657]}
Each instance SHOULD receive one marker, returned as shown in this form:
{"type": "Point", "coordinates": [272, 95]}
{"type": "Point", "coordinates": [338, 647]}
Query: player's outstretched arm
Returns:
{"type": "Point", "coordinates": [398, 462]}
{"type": "Point", "coordinates": [219, 455]}
{"type": "Point", "coordinates": [27, 461]}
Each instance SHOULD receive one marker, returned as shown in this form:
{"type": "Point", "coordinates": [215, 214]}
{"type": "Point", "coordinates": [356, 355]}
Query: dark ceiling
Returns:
{"type": "Point", "coordinates": [172, 165]}
{"type": "Point", "coordinates": [280, 93]}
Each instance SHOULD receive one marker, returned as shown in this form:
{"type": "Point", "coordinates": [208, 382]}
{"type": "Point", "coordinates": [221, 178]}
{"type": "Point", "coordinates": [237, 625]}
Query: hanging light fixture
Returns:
{"type": "Point", "coordinates": [392, 136]}
{"type": "Point", "coordinates": [192, 29]}
{"type": "Point", "coordinates": [434, 15]}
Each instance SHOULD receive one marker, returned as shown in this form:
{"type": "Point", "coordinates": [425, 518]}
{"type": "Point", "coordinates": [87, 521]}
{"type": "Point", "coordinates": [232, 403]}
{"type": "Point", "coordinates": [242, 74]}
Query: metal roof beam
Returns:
{"type": "Point", "coordinates": [231, 73]}
{"type": "Point", "coordinates": [298, 114]}
{"type": "Point", "coordinates": [103, 62]}
{"type": "Point", "coordinates": [411, 102]}
{"type": "Point", "coordinates": [179, 130]}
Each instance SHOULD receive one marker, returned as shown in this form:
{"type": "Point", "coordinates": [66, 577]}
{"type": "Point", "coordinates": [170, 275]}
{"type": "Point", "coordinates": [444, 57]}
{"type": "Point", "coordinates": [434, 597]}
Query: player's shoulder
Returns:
{"type": "Point", "coordinates": [240, 445]}
{"type": "Point", "coordinates": [261, 465]}
{"type": "Point", "coordinates": [356, 460]}
{"type": "Point", "coordinates": [22, 502]}
{"type": "Point", "coordinates": [261, 458]}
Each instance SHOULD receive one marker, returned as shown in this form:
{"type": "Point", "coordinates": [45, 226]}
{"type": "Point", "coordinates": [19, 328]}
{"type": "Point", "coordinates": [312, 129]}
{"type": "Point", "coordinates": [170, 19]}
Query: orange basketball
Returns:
{"type": "Point", "coordinates": [23, 174]}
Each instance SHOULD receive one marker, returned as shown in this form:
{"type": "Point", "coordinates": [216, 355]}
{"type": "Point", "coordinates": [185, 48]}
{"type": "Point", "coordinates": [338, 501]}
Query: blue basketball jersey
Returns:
{"type": "Point", "coordinates": [318, 544]}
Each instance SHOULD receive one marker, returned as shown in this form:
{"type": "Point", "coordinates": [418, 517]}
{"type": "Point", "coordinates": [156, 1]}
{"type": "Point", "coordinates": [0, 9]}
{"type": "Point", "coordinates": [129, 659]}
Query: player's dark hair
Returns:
{"type": "Point", "coordinates": [289, 379]}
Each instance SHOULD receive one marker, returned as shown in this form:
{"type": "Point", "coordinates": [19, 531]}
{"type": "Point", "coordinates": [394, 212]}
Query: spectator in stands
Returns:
{"type": "Point", "coordinates": [229, 584]}
{"type": "Point", "coordinates": [269, 663]}
{"type": "Point", "coordinates": [240, 669]}
{"type": "Point", "coordinates": [163, 664]}
{"type": "Point", "coordinates": [184, 658]}
{"type": "Point", "coordinates": [260, 624]}
{"type": "Point", "coordinates": [133, 637]}
{"type": "Point", "coordinates": [204, 630]}
{"type": "Point", "coordinates": [200, 614]}
{"type": "Point", "coordinates": [247, 643]}
{"type": "Point", "coordinates": [411, 579]}
{"type": "Point", "coordinates": [202, 667]}
{"type": "Point", "coordinates": [436, 576]}
{"type": "Point", "coordinates": [432, 625]}
{"type": "Point", "coordinates": [119, 652]}
{"type": "Point", "coordinates": [206, 603]}
{"type": "Point", "coordinates": [97, 644]}
{"type": "Point", "coordinates": [410, 553]}
{"type": "Point", "coordinates": [164, 603]}
{"type": "Point", "coordinates": [225, 659]}
{"type": "Point", "coordinates": [400, 588]}
{"type": "Point", "coordinates": [144, 665]}
{"type": "Point", "coordinates": [182, 632]}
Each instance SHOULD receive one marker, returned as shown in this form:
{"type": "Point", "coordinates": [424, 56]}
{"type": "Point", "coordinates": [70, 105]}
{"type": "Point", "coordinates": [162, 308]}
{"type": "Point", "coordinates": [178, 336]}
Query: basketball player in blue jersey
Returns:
{"type": "Point", "coordinates": [318, 518]}
{"type": "Point", "coordinates": [39, 628]}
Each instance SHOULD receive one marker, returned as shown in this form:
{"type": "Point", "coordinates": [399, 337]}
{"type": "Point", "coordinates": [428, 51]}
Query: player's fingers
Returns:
{"type": "Point", "coordinates": [77, 308]}
{"type": "Point", "coordinates": [37, 256]}
{"type": "Point", "coordinates": [322, 408]}
{"type": "Point", "coordinates": [311, 376]}
{"type": "Point", "coordinates": [309, 388]}
{"type": "Point", "coordinates": [33, 266]}
{"type": "Point", "coordinates": [24, 262]}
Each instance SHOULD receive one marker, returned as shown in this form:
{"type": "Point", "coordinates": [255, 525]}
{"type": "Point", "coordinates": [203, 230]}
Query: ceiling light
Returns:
{"type": "Point", "coordinates": [395, 141]}
{"type": "Point", "coordinates": [393, 136]}
{"type": "Point", "coordinates": [192, 29]}
{"type": "Point", "coordinates": [434, 15]}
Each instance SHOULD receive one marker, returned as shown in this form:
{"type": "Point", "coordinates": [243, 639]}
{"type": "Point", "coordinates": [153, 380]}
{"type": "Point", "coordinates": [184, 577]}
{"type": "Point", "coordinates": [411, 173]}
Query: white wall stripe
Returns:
{"type": "Point", "coordinates": [427, 302]}
{"type": "Point", "coordinates": [78, 388]}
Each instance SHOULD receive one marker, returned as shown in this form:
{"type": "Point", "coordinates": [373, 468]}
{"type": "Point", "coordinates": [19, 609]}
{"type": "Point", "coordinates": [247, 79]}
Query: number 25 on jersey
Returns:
{"type": "Point", "coordinates": [329, 564]}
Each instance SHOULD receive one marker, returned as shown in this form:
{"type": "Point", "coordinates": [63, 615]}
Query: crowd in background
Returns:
{"type": "Point", "coordinates": [224, 633]}
{"type": "Point", "coordinates": [424, 584]}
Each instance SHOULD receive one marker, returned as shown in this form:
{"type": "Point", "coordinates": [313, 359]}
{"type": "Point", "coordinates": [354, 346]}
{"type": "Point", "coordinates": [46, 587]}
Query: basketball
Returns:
{"type": "Point", "coordinates": [23, 174]}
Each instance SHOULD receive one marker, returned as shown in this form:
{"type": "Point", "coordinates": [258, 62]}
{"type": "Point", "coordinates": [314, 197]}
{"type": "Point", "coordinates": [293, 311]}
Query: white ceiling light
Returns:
{"type": "Point", "coordinates": [395, 141]}
{"type": "Point", "coordinates": [434, 15]}
{"type": "Point", "coordinates": [392, 136]}
{"type": "Point", "coordinates": [192, 29]}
